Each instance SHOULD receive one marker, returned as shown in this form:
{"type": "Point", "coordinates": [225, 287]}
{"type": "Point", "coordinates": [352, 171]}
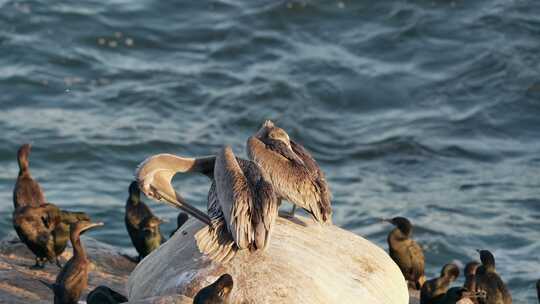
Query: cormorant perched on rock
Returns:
{"type": "Point", "coordinates": [72, 280]}
{"type": "Point", "coordinates": [43, 227]}
{"type": "Point", "coordinates": [406, 252]}
{"type": "Point", "coordinates": [45, 230]}
{"type": "Point", "coordinates": [455, 294]}
{"type": "Point", "coordinates": [105, 295]}
{"type": "Point", "coordinates": [27, 191]}
{"type": "Point", "coordinates": [292, 171]}
{"type": "Point", "coordinates": [151, 235]}
{"type": "Point", "coordinates": [489, 281]}
{"type": "Point", "coordinates": [215, 293]}
{"type": "Point", "coordinates": [435, 289]}
{"type": "Point", "coordinates": [136, 212]}
{"type": "Point", "coordinates": [470, 278]}
{"type": "Point", "coordinates": [181, 219]}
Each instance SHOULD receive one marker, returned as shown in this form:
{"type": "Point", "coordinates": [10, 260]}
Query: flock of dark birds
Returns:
{"type": "Point", "coordinates": [242, 206]}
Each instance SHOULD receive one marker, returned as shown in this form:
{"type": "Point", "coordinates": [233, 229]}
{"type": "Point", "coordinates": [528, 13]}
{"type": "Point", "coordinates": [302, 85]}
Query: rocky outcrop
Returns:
{"type": "Point", "coordinates": [20, 285]}
{"type": "Point", "coordinates": [305, 263]}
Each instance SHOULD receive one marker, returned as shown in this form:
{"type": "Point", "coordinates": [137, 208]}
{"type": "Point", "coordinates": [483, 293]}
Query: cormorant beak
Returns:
{"type": "Point", "coordinates": [162, 221]}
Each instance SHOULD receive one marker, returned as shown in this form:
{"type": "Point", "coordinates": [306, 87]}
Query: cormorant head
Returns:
{"type": "Point", "coordinates": [224, 285]}
{"type": "Point", "coordinates": [80, 227]}
{"type": "Point", "coordinates": [403, 224]}
{"type": "Point", "coordinates": [134, 192]}
{"type": "Point", "coordinates": [181, 219]}
{"type": "Point", "coordinates": [22, 156]}
{"type": "Point", "coordinates": [488, 260]}
{"type": "Point", "coordinates": [470, 268]}
{"type": "Point", "coordinates": [450, 271]}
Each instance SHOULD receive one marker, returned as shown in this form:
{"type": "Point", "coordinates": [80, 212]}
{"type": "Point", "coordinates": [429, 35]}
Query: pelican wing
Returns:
{"type": "Point", "coordinates": [302, 185]}
{"type": "Point", "coordinates": [234, 196]}
{"type": "Point", "coordinates": [265, 212]}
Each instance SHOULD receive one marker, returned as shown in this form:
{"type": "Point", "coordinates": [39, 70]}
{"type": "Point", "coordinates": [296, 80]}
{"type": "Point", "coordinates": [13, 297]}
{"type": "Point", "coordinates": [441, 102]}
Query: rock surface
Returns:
{"type": "Point", "coordinates": [304, 263]}
{"type": "Point", "coordinates": [19, 284]}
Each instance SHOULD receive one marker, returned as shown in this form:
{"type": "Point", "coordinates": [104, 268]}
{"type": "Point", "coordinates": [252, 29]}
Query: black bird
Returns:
{"type": "Point", "coordinates": [44, 230]}
{"type": "Point", "coordinates": [435, 289]}
{"type": "Point", "coordinates": [215, 293]}
{"type": "Point", "coordinates": [151, 235]}
{"type": "Point", "coordinates": [136, 212]}
{"type": "Point", "coordinates": [405, 252]}
{"type": "Point", "coordinates": [43, 227]}
{"type": "Point", "coordinates": [27, 191]}
{"type": "Point", "coordinates": [470, 278]}
{"type": "Point", "coordinates": [538, 290]}
{"type": "Point", "coordinates": [455, 294]}
{"type": "Point", "coordinates": [72, 280]}
{"type": "Point", "coordinates": [105, 295]}
{"type": "Point", "coordinates": [488, 280]}
{"type": "Point", "coordinates": [181, 219]}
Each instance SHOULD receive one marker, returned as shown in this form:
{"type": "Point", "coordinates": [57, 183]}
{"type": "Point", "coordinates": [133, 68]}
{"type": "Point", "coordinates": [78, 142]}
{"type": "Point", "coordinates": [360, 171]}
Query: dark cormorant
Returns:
{"type": "Point", "coordinates": [151, 235]}
{"type": "Point", "coordinates": [181, 219]}
{"type": "Point", "coordinates": [105, 295]}
{"type": "Point", "coordinates": [45, 230]}
{"type": "Point", "coordinates": [27, 191]}
{"type": "Point", "coordinates": [470, 278]}
{"type": "Point", "coordinates": [215, 293]}
{"type": "Point", "coordinates": [72, 280]}
{"type": "Point", "coordinates": [488, 280]}
{"type": "Point", "coordinates": [538, 290]}
{"type": "Point", "coordinates": [136, 212]}
{"type": "Point", "coordinates": [406, 252]}
{"type": "Point", "coordinates": [42, 226]}
{"type": "Point", "coordinates": [292, 171]}
{"type": "Point", "coordinates": [435, 289]}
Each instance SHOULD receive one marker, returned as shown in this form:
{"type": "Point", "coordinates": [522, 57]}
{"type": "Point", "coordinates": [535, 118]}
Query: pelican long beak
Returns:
{"type": "Point", "coordinates": [154, 176]}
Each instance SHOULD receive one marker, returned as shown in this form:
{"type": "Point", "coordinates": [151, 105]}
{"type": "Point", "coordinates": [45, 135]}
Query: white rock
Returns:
{"type": "Point", "coordinates": [305, 263]}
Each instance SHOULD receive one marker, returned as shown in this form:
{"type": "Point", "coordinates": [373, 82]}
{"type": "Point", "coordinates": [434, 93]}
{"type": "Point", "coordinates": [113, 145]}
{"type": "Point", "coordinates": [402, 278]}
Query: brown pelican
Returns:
{"type": "Point", "coordinates": [217, 292]}
{"type": "Point", "coordinates": [294, 174]}
{"type": "Point", "coordinates": [72, 280]}
{"type": "Point", "coordinates": [242, 206]}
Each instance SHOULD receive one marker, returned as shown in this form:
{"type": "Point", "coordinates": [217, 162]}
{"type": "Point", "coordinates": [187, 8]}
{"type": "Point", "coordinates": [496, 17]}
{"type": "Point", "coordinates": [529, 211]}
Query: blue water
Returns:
{"type": "Point", "coordinates": [426, 109]}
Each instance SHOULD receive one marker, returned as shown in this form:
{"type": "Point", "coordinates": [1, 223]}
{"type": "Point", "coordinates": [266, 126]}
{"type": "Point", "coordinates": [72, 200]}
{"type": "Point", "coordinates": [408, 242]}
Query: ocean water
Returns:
{"type": "Point", "coordinates": [424, 109]}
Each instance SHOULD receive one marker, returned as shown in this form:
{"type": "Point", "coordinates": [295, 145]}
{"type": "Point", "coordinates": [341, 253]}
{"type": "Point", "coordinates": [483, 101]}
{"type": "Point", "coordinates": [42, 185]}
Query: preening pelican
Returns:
{"type": "Point", "coordinates": [242, 206]}
{"type": "Point", "coordinates": [294, 174]}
